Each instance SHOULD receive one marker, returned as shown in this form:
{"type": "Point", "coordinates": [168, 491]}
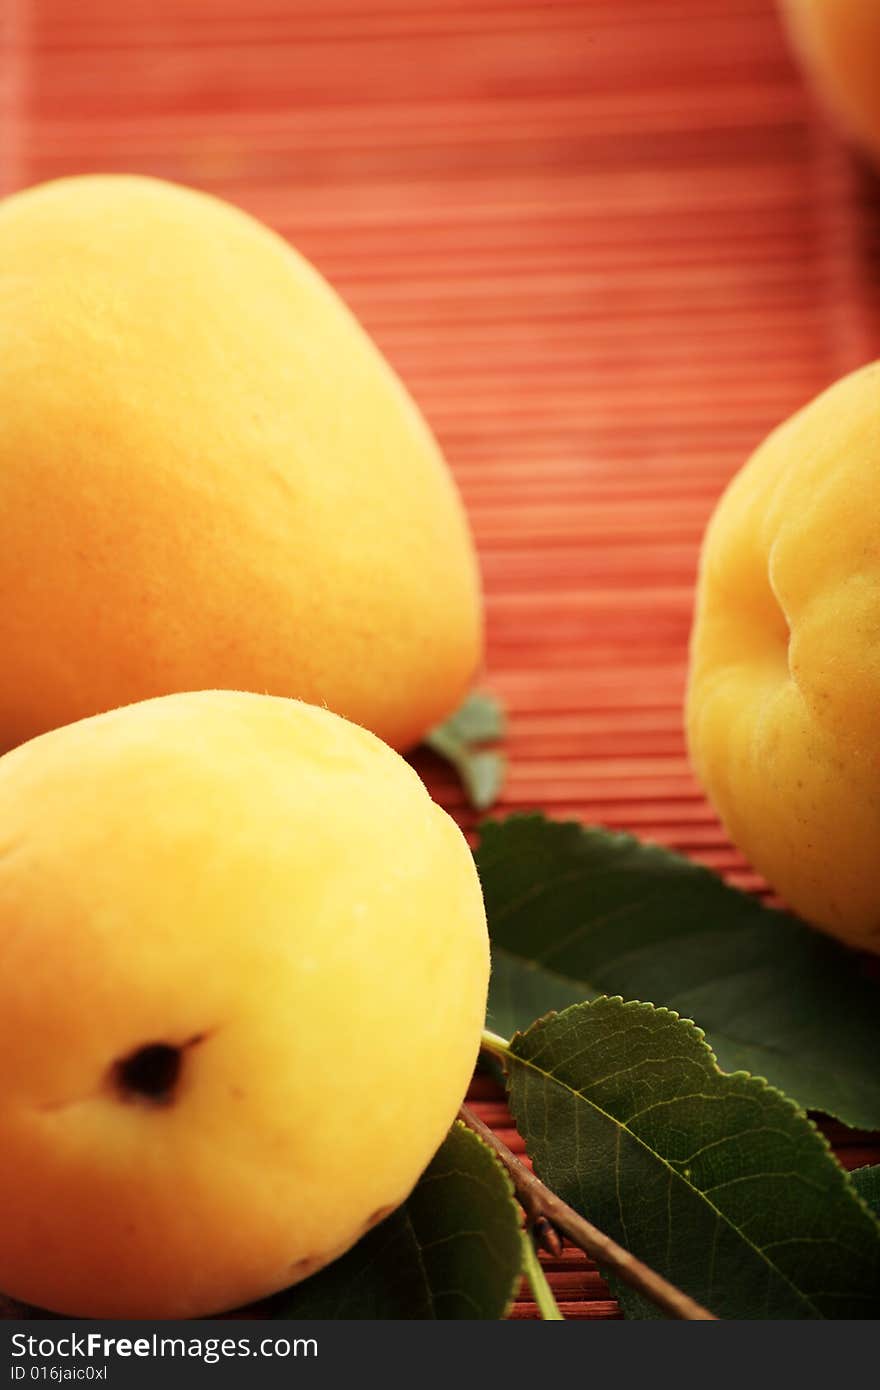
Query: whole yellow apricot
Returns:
{"type": "Point", "coordinates": [839, 44]}
{"type": "Point", "coordinates": [209, 477]}
{"type": "Point", "coordinates": [245, 964]}
{"type": "Point", "coordinates": [783, 708]}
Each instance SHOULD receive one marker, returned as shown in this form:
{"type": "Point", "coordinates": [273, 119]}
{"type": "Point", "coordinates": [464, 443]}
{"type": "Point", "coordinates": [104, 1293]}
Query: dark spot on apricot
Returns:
{"type": "Point", "coordinates": [303, 1268]}
{"type": "Point", "coordinates": [150, 1073]}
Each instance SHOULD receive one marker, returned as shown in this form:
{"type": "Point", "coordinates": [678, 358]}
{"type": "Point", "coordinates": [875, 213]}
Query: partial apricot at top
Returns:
{"type": "Point", "coordinates": [838, 42]}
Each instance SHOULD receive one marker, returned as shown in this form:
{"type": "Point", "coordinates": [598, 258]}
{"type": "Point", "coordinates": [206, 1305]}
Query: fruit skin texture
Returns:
{"type": "Point", "coordinates": [209, 477]}
{"type": "Point", "coordinates": [784, 691]}
{"type": "Point", "coordinates": [272, 890]}
{"type": "Point", "coordinates": [839, 44]}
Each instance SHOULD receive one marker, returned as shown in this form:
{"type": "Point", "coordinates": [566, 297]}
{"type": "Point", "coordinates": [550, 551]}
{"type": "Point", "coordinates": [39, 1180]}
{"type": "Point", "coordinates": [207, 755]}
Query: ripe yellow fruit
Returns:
{"type": "Point", "coordinates": [784, 698]}
{"type": "Point", "coordinates": [839, 43]}
{"type": "Point", "coordinates": [244, 975]}
{"type": "Point", "coordinates": [209, 477]}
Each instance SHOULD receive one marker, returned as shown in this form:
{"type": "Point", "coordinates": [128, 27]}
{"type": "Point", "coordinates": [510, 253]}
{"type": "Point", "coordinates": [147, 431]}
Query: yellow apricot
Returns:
{"type": "Point", "coordinates": [839, 44]}
{"type": "Point", "coordinates": [209, 477]}
{"type": "Point", "coordinates": [784, 696]}
{"type": "Point", "coordinates": [244, 976]}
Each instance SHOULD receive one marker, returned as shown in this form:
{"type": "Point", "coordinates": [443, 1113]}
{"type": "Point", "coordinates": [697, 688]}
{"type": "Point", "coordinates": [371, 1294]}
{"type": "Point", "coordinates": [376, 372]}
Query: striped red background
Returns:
{"type": "Point", "coordinates": [607, 243]}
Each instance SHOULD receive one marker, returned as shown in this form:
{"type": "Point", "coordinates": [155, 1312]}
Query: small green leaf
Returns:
{"type": "Point", "coordinates": [866, 1182]}
{"type": "Point", "coordinates": [483, 777]}
{"type": "Point", "coordinates": [716, 1181]}
{"type": "Point", "coordinates": [577, 912]}
{"type": "Point", "coordinates": [453, 1250]}
{"type": "Point", "coordinates": [479, 720]}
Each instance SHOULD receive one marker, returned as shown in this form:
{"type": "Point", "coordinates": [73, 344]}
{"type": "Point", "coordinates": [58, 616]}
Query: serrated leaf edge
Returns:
{"type": "Point", "coordinates": [511, 1193]}
{"type": "Point", "coordinates": [644, 1006]}
{"type": "Point", "coordinates": [625, 838]}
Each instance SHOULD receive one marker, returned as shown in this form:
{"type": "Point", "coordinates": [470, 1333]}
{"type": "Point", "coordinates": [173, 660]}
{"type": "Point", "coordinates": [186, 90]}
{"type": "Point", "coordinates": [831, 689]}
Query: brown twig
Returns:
{"type": "Point", "coordinates": [539, 1203]}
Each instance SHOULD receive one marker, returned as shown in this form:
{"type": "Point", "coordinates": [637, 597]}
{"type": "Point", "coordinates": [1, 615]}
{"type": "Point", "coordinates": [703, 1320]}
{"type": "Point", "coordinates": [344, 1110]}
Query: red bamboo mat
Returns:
{"type": "Point", "coordinates": [607, 243]}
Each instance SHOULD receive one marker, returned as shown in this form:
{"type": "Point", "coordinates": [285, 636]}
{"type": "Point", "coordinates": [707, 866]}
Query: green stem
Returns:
{"type": "Point", "coordinates": [534, 1272]}
{"type": "Point", "coordinates": [494, 1043]}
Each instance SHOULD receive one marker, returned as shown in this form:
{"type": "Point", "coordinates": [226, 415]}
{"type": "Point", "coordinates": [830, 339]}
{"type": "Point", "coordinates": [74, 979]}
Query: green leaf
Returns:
{"type": "Point", "coordinates": [866, 1182]}
{"type": "Point", "coordinates": [453, 1250]}
{"type": "Point", "coordinates": [479, 720]}
{"type": "Point", "coordinates": [577, 912]}
{"type": "Point", "coordinates": [716, 1181]}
